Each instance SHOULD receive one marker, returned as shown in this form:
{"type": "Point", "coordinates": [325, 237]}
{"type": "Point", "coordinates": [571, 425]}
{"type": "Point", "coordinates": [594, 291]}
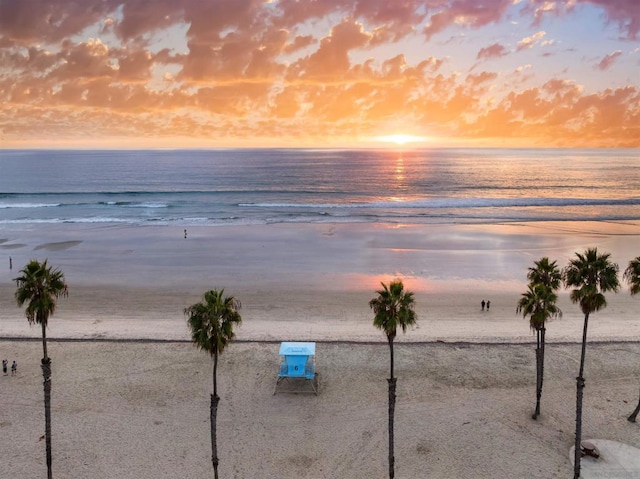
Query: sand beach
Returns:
{"type": "Point", "coordinates": [131, 395]}
{"type": "Point", "coordinates": [141, 410]}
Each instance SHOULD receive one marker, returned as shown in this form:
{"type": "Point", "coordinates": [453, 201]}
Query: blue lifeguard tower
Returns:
{"type": "Point", "coordinates": [298, 362]}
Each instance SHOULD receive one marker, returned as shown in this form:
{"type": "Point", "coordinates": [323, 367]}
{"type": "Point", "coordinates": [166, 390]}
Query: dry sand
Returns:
{"type": "Point", "coordinates": [141, 410]}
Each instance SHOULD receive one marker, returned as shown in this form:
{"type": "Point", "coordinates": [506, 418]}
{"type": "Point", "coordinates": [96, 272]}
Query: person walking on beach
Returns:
{"type": "Point", "coordinates": [14, 368]}
{"type": "Point", "coordinates": [185, 234]}
{"type": "Point", "coordinates": [10, 263]}
{"type": "Point", "coordinates": [4, 366]}
{"type": "Point", "coordinates": [488, 305]}
{"type": "Point", "coordinates": [482, 304]}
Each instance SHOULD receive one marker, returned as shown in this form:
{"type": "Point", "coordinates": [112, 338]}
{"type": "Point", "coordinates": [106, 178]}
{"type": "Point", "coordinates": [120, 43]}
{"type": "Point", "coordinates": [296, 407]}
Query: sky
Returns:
{"type": "Point", "coordinates": [319, 73]}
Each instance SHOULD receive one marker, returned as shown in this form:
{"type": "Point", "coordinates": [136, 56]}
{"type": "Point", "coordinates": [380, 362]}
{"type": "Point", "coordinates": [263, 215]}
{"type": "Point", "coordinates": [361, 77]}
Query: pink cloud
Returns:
{"type": "Point", "coordinates": [299, 42]}
{"type": "Point", "coordinates": [481, 78]}
{"type": "Point", "coordinates": [50, 20]}
{"type": "Point", "coordinates": [608, 60]}
{"type": "Point", "coordinates": [492, 51]}
{"type": "Point", "coordinates": [140, 17]}
{"type": "Point", "coordinates": [626, 13]}
{"type": "Point", "coordinates": [90, 59]}
{"type": "Point", "coordinates": [472, 13]}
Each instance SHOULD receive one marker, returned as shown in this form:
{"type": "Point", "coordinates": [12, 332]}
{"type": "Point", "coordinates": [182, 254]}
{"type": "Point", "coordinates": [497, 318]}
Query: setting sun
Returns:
{"type": "Point", "coordinates": [401, 139]}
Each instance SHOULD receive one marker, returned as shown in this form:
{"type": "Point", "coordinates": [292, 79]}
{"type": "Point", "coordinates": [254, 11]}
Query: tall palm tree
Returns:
{"type": "Point", "coordinates": [544, 273]}
{"type": "Point", "coordinates": [39, 287]}
{"type": "Point", "coordinates": [632, 276]}
{"type": "Point", "coordinates": [211, 323]}
{"type": "Point", "coordinates": [393, 308]}
{"type": "Point", "coordinates": [539, 303]}
{"type": "Point", "coordinates": [590, 275]}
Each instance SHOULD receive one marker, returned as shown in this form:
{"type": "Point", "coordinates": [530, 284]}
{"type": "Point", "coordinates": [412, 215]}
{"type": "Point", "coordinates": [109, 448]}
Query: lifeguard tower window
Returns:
{"type": "Point", "coordinates": [298, 361]}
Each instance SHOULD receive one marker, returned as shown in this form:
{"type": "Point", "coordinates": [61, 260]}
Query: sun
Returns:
{"type": "Point", "coordinates": [401, 139]}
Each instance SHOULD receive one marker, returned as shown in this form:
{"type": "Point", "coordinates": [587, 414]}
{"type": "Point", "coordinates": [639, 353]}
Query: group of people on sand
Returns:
{"type": "Point", "coordinates": [14, 367]}
{"type": "Point", "coordinates": [484, 303]}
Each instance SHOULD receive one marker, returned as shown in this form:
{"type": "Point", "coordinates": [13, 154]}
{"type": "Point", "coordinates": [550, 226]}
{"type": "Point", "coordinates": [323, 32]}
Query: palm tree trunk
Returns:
{"type": "Point", "coordinates": [635, 412]}
{"type": "Point", "coordinates": [540, 368]}
{"type": "Point", "coordinates": [392, 408]}
{"type": "Point", "coordinates": [46, 373]}
{"type": "Point", "coordinates": [543, 331]}
{"type": "Point", "coordinates": [536, 413]}
{"type": "Point", "coordinates": [215, 372]}
{"type": "Point", "coordinates": [580, 387]}
{"type": "Point", "coordinates": [44, 340]}
{"type": "Point", "coordinates": [214, 417]}
{"type": "Point", "coordinates": [214, 441]}
{"type": "Point", "coordinates": [391, 356]}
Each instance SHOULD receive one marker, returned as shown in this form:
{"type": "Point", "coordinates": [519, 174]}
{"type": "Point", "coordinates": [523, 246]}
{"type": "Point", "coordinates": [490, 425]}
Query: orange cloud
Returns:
{"type": "Point", "coordinates": [529, 42]}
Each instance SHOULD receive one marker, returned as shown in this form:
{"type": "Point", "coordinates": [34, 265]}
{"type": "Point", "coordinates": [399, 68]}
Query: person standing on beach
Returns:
{"type": "Point", "coordinates": [482, 304]}
{"type": "Point", "coordinates": [4, 366]}
{"type": "Point", "coordinates": [185, 234]}
{"type": "Point", "coordinates": [14, 368]}
{"type": "Point", "coordinates": [10, 263]}
{"type": "Point", "coordinates": [488, 305]}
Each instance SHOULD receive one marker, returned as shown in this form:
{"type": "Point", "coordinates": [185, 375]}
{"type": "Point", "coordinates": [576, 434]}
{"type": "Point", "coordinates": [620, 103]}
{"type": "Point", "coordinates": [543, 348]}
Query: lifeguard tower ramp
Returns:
{"type": "Point", "coordinates": [297, 368]}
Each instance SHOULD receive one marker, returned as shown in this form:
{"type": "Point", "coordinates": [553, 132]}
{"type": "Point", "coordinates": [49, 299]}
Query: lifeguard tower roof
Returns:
{"type": "Point", "coordinates": [297, 349]}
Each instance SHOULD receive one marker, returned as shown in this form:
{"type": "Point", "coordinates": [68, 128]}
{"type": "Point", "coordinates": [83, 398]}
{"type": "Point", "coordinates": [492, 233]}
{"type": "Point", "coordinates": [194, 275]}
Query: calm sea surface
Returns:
{"type": "Point", "coordinates": [227, 187]}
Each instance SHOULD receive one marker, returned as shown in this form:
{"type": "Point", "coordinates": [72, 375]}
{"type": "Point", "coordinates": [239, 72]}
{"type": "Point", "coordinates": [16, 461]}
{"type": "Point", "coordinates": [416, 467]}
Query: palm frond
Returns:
{"type": "Point", "coordinates": [393, 308]}
{"type": "Point", "coordinates": [39, 286]}
{"type": "Point", "coordinates": [212, 320]}
{"type": "Point", "coordinates": [591, 275]}
{"type": "Point", "coordinates": [632, 275]}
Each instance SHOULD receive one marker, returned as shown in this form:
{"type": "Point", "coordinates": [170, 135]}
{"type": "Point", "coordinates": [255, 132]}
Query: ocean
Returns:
{"type": "Point", "coordinates": [263, 186]}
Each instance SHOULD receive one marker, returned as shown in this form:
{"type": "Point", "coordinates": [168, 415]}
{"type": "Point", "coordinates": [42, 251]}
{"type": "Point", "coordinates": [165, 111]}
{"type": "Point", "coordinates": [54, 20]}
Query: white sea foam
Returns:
{"type": "Point", "coordinates": [28, 205]}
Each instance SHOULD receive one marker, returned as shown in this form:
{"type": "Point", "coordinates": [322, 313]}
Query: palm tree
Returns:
{"type": "Point", "coordinates": [539, 303]}
{"type": "Point", "coordinates": [632, 276]}
{"type": "Point", "coordinates": [39, 287]}
{"type": "Point", "coordinates": [211, 323]}
{"type": "Point", "coordinates": [591, 275]}
{"type": "Point", "coordinates": [393, 308]}
{"type": "Point", "coordinates": [547, 274]}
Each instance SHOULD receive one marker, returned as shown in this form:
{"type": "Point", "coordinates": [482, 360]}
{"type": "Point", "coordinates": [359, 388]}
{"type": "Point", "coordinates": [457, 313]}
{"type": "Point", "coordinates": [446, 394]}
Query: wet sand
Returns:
{"type": "Point", "coordinates": [313, 282]}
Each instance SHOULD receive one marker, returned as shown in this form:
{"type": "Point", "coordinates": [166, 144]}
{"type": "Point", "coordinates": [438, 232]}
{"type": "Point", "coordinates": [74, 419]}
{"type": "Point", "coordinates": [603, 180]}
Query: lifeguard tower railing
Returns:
{"type": "Point", "coordinates": [298, 361]}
